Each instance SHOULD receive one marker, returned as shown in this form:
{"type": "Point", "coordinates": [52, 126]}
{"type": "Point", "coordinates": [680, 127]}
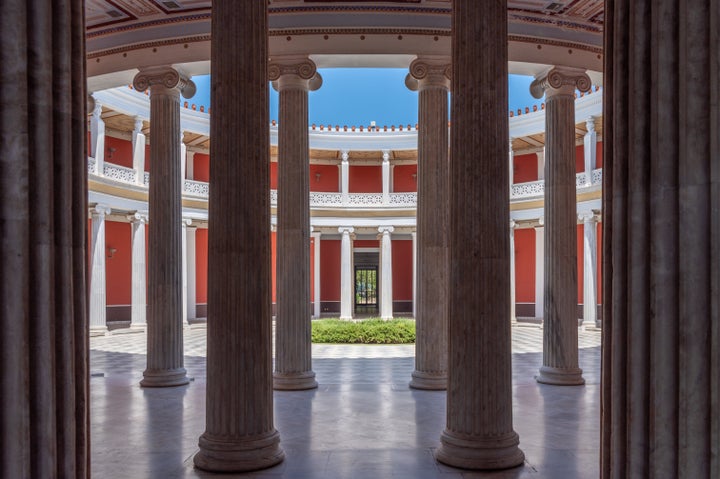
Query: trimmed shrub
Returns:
{"type": "Point", "coordinates": [368, 331]}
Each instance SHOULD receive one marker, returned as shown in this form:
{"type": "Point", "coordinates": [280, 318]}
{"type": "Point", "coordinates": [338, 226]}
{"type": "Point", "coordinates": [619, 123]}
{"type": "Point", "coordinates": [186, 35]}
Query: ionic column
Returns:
{"type": "Point", "coordinates": [345, 177]}
{"type": "Point", "coordinates": [346, 273]}
{"type": "Point", "coordinates": [293, 78]}
{"type": "Point", "coordinates": [540, 164]}
{"type": "Point", "coordinates": [183, 161]}
{"type": "Point", "coordinates": [589, 267]}
{"type": "Point", "coordinates": [139, 284]}
{"type": "Point", "coordinates": [239, 432]}
{"type": "Point", "coordinates": [98, 301]}
{"type": "Point", "coordinates": [97, 138]}
{"type": "Point", "coordinates": [479, 432]}
{"type": "Point", "coordinates": [414, 273]}
{"type": "Point", "coordinates": [560, 324]}
{"type": "Point", "coordinates": [138, 145]}
{"type": "Point", "coordinates": [316, 273]}
{"type": "Point", "coordinates": [540, 268]}
{"type": "Point", "coordinates": [165, 258]}
{"type": "Point", "coordinates": [386, 177]}
{"type": "Point", "coordinates": [590, 149]}
{"type": "Point", "coordinates": [513, 317]}
{"type": "Point", "coordinates": [386, 274]}
{"type": "Point", "coordinates": [190, 273]}
{"type": "Point", "coordinates": [431, 77]}
{"type": "Point", "coordinates": [190, 164]}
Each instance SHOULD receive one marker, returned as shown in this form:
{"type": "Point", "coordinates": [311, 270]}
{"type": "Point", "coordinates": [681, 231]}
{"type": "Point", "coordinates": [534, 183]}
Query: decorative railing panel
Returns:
{"type": "Point", "coordinates": [403, 199]}
{"type": "Point", "coordinates": [119, 173]}
{"type": "Point", "coordinates": [320, 199]}
{"type": "Point", "coordinates": [365, 199]}
{"type": "Point", "coordinates": [197, 188]}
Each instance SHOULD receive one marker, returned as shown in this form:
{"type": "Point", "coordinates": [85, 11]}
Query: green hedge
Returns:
{"type": "Point", "coordinates": [368, 331]}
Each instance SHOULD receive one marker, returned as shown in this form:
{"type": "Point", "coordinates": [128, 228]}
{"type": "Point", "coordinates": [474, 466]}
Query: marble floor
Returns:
{"type": "Point", "coordinates": [362, 422]}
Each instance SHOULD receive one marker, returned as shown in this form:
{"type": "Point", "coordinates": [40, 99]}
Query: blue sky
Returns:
{"type": "Point", "coordinates": [357, 96]}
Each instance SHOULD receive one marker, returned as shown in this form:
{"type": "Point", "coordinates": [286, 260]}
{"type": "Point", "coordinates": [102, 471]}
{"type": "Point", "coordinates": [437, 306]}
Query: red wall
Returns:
{"type": "Point", "coordinates": [366, 244]}
{"type": "Point", "coordinates": [365, 179]}
{"type": "Point", "coordinates": [525, 168]}
{"type": "Point", "coordinates": [201, 167]}
{"type": "Point", "coordinates": [525, 265]}
{"type": "Point", "coordinates": [327, 181]}
{"type": "Point", "coordinates": [599, 159]}
{"type": "Point", "coordinates": [402, 263]}
{"type": "Point", "coordinates": [122, 155]}
{"type": "Point", "coordinates": [579, 159]}
{"type": "Point", "coordinates": [330, 270]}
{"type": "Point", "coordinates": [201, 263]}
{"type": "Point", "coordinates": [147, 157]}
{"type": "Point", "coordinates": [273, 175]}
{"type": "Point", "coordinates": [403, 180]}
{"type": "Point", "coordinates": [119, 267]}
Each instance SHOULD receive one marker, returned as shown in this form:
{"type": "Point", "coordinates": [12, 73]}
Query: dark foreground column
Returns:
{"type": "Point", "coordinates": [43, 238]}
{"type": "Point", "coordinates": [560, 323]}
{"type": "Point", "coordinates": [430, 76]}
{"type": "Point", "coordinates": [479, 432]}
{"type": "Point", "coordinates": [239, 433]}
{"type": "Point", "coordinates": [165, 258]}
{"type": "Point", "coordinates": [293, 353]}
{"type": "Point", "coordinates": [661, 216]}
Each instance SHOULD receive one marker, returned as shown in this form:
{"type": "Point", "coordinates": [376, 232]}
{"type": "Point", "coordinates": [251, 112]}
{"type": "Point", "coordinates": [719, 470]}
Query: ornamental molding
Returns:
{"type": "Point", "coordinates": [560, 81]}
{"type": "Point", "coordinates": [429, 72]}
{"type": "Point", "coordinates": [305, 69]}
{"type": "Point", "coordinates": [165, 77]}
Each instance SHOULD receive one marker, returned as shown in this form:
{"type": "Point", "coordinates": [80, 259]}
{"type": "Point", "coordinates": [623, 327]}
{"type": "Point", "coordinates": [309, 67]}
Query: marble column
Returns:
{"type": "Point", "coordinates": [347, 275]}
{"type": "Point", "coordinates": [183, 161]}
{"type": "Point", "coordinates": [138, 292]}
{"type": "Point", "coordinates": [540, 164]}
{"type": "Point", "coordinates": [98, 288]}
{"type": "Point", "coordinates": [661, 304]}
{"type": "Point", "coordinates": [386, 272]}
{"type": "Point", "coordinates": [513, 317]}
{"type": "Point", "coordinates": [431, 77]}
{"type": "Point", "coordinates": [511, 163]}
{"type": "Point", "coordinates": [97, 138]}
{"type": "Point", "coordinates": [44, 420]}
{"type": "Point", "coordinates": [183, 254]}
{"type": "Point", "coordinates": [239, 432]}
{"type": "Point", "coordinates": [560, 321]}
{"type": "Point", "coordinates": [165, 259]}
{"type": "Point", "coordinates": [345, 177]}
{"type": "Point", "coordinates": [590, 149]}
{"type": "Point", "coordinates": [386, 177]}
{"type": "Point", "coordinates": [190, 273]}
{"type": "Point", "coordinates": [479, 432]}
{"type": "Point", "coordinates": [138, 146]}
{"type": "Point", "coordinates": [589, 268]}
{"type": "Point", "coordinates": [293, 78]}
{"type": "Point", "coordinates": [316, 235]}
{"type": "Point", "coordinates": [190, 164]}
{"type": "Point", "coordinates": [540, 269]}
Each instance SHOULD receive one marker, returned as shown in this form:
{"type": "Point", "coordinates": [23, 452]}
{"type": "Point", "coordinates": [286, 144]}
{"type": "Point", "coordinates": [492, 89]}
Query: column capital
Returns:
{"type": "Point", "coordinates": [100, 210]}
{"type": "Point", "coordinates": [186, 222]}
{"type": "Point", "coordinates": [560, 81]}
{"type": "Point", "coordinates": [294, 73]}
{"type": "Point", "coordinates": [386, 230]}
{"type": "Point", "coordinates": [96, 107]}
{"type": "Point", "coordinates": [315, 234]}
{"type": "Point", "coordinates": [138, 125]}
{"type": "Point", "coordinates": [429, 72]}
{"type": "Point", "coordinates": [587, 217]}
{"type": "Point", "coordinates": [345, 155]}
{"type": "Point", "coordinates": [386, 156]}
{"type": "Point", "coordinates": [413, 234]}
{"type": "Point", "coordinates": [513, 224]}
{"type": "Point", "coordinates": [273, 228]}
{"type": "Point", "coordinates": [346, 230]}
{"type": "Point", "coordinates": [164, 77]}
{"type": "Point", "coordinates": [139, 217]}
{"type": "Point", "coordinates": [541, 222]}
{"type": "Point", "coordinates": [590, 124]}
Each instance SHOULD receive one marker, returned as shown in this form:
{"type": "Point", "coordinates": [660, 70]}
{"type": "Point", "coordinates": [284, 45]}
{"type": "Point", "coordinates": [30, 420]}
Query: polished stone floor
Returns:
{"type": "Point", "coordinates": [362, 422]}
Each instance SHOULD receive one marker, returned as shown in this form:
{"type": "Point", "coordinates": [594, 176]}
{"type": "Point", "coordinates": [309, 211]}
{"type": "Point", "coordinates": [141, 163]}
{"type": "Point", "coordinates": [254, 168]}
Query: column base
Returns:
{"type": "Point", "coordinates": [244, 454]}
{"type": "Point", "coordinates": [560, 376]}
{"type": "Point", "coordinates": [479, 453]}
{"type": "Point", "coordinates": [294, 381]}
{"type": "Point", "coordinates": [429, 381]}
{"type": "Point", "coordinates": [98, 331]}
{"type": "Point", "coordinates": [164, 378]}
{"type": "Point", "coordinates": [138, 326]}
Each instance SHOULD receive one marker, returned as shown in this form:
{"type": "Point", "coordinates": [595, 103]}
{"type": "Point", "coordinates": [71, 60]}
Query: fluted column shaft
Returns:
{"type": "Point", "coordinates": [293, 354]}
{"type": "Point", "coordinates": [138, 142]}
{"type": "Point", "coordinates": [513, 225]}
{"type": "Point", "coordinates": [239, 432]}
{"type": "Point", "coordinates": [661, 304]}
{"type": "Point", "coordinates": [139, 284]}
{"type": "Point", "coordinates": [98, 287]}
{"type": "Point", "coordinates": [386, 272]}
{"type": "Point", "coordinates": [479, 432]}
{"type": "Point", "coordinates": [431, 76]}
{"type": "Point", "coordinates": [44, 419]}
{"type": "Point", "coordinates": [347, 276]}
{"type": "Point", "coordinates": [165, 259]}
{"type": "Point", "coordinates": [97, 138]}
{"type": "Point", "coordinates": [560, 322]}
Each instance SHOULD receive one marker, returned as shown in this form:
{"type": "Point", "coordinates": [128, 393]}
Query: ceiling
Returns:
{"type": "Point", "coordinates": [123, 35]}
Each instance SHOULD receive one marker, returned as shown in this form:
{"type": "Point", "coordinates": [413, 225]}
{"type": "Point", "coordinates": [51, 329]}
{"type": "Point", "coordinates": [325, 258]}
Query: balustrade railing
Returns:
{"type": "Point", "coordinates": [201, 189]}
